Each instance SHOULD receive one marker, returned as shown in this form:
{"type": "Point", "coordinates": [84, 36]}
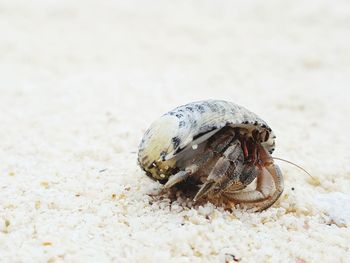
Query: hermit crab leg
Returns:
{"type": "Point", "coordinates": [216, 145]}
{"type": "Point", "coordinates": [225, 172]}
{"type": "Point", "coordinates": [269, 188]}
{"type": "Point", "coordinates": [191, 169]}
{"type": "Point", "coordinates": [177, 178]}
{"type": "Point", "coordinates": [182, 175]}
{"type": "Point", "coordinates": [249, 173]}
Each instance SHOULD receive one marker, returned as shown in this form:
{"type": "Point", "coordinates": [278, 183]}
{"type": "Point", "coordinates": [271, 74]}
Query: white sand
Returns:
{"type": "Point", "coordinates": [80, 83]}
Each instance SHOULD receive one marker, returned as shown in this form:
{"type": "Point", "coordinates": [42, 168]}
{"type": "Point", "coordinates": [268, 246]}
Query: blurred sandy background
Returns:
{"type": "Point", "coordinates": [80, 81]}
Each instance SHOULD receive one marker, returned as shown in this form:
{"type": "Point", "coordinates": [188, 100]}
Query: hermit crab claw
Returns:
{"type": "Point", "coordinates": [177, 178]}
{"type": "Point", "coordinates": [204, 190]}
{"type": "Point", "coordinates": [230, 163]}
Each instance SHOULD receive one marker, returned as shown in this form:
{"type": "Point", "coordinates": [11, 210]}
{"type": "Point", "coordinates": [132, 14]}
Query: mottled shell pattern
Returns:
{"type": "Point", "coordinates": [189, 125]}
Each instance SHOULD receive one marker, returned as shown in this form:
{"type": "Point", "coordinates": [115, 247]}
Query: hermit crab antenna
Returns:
{"type": "Point", "coordinates": [301, 168]}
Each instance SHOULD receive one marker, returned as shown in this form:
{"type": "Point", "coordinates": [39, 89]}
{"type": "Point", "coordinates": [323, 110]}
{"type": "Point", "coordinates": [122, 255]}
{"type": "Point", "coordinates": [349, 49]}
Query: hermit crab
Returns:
{"type": "Point", "coordinates": [218, 146]}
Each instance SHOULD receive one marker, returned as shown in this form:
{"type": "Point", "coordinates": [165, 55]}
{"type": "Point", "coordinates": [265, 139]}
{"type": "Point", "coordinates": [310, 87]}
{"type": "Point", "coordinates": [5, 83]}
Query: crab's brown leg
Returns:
{"type": "Point", "coordinates": [177, 178]}
{"type": "Point", "coordinates": [254, 153]}
{"type": "Point", "coordinates": [249, 173]}
{"type": "Point", "coordinates": [269, 188]}
{"type": "Point", "coordinates": [225, 172]}
{"type": "Point", "coordinates": [216, 144]}
{"type": "Point", "coordinates": [183, 175]}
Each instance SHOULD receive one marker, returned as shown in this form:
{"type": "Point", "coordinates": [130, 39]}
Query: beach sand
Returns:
{"type": "Point", "coordinates": [80, 83]}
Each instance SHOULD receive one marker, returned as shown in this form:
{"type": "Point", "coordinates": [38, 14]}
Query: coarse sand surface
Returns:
{"type": "Point", "coordinates": [81, 81]}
